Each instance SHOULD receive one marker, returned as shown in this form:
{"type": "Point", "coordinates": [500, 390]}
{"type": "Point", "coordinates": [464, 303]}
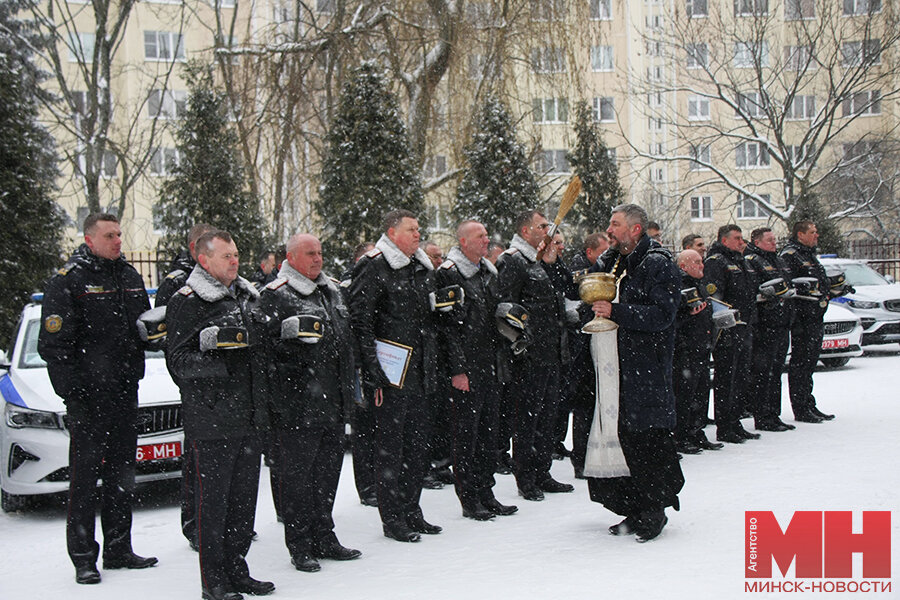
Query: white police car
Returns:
{"type": "Point", "coordinates": [34, 440]}
{"type": "Point", "coordinates": [842, 339]}
{"type": "Point", "coordinates": [876, 300]}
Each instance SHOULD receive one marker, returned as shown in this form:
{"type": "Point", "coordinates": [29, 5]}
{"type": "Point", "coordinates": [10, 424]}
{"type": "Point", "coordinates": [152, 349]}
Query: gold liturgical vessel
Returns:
{"type": "Point", "coordinates": [591, 288]}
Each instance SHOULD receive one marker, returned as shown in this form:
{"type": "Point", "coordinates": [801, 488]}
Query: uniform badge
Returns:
{"type": "Point", "coordinates": [823, 302]}
{"type": "Point", "coordinates": [53, 323]}
{"type": "Point", "coordinates": [239, 336]}
{"type": "Point", "coordinates": [63, 270]}
{"type": "Point", "coordinates": [711, 288]}
{"type": "Point", "coordinates": [317, 326]}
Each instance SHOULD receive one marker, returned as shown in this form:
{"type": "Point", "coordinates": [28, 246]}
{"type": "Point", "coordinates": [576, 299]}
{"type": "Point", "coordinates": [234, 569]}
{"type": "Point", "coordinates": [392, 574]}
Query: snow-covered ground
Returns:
{"type": "Point", "coordinates": [554, 549]}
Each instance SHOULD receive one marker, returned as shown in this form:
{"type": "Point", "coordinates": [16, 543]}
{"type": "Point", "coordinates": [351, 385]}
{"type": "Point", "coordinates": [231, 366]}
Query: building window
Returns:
{"type": "Point", "coordinates": [325, 7]}
{"type": "Point", "coordinates": [701, 155]}
{"type": "Point", "coordinates": [81, 213]}
{"type": "Point", "coordinates": [861, 7]}
{"type": "Point", "coordinates": [854, 54]}
{"type": "Point", "coordinates": [750, 8]}
{"type": "Point", "coordinates": [602, 58]}
{"type": "Point", "coordinates": [164, 161]}
{"type": "Point", "coordinates": [801, 108]}
{"type": "Point", "coordinates": [601, 9]}
{"type": "Point", "coordinates": [653, 21]}
{"type": "Point", "coordinates": [798, 58]}
{"type": "Point", "coordinates": [797, 155]}
{"type": "Point", "coordinates": [434, 166]}
{"type": "Point", "coordinates": [799, 9]}
{"type": "Point", "coordinates": [750, 105]}
{"type": "Point", "coordinates": [697, 55]}
{"type": "Point", "coordinates": [858, 150]}
{"type": "Point", "coordinates": [604, 109]}
{"type": "Point", "coordinates": [552, 161]}
{"type": "Point", "coordinates": [698, 108]}
{"type": "Point", "coordinates": [481, 68]}
{"type": "Point", "coordinates": [748, 54]}
{"type": "Point", "coordinates": [550, 110]}
{"type": "Point", "coordinates": [748, 208]}
{"type": "Point", "coordinates": [863, 103]}
{"type": "Point", "coordinates": [548, 60]}
{"type": "Point", "coordinates": [163, 45]}
{"type": "Point", "coordinates": [548, 10]}
{"type": "Point", "coordinates": [81, 47]}
{"type": "Point", "coordinates": [701, 208]}
{"type": "Point", "coordinates": [696, 8]}
{"type": "Point", "coordinates": [751, 155]}
{"type": "Point", "coordinates": [655, 123]}
{"type": "Point", "coordinates": [169, 104]}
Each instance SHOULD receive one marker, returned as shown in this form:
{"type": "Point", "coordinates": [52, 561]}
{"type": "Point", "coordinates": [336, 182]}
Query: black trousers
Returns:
{"type": "Point", "coordinates": [731, 375]}
{"type": "Point", "coordinates": [309, 467]}
{"type": "Point", "coordinates": [769, 349]}
{"type": "Point", "coordinates": [102, 445]}
{"type": "Point", "coordinates": [806, 343]}
{"type": "Point", "coordinates": [474, 425]}
{"type": "Point", "coordinates": [535, 390]}
{"type": "Point", "coordinates": [506, 418]}
{"type": "Point", "coordinates": [690, 380]}
{"type": "Point", "coordinates": [227, 482]}
{"type": "Point", "coordinates": [655, 480]}
{"type": "Point", "coordinates": [402, 434]}
{"type": "Point", "coordinates": [582, 390]}
{"type": "Point", "coordinates": [441, 442]}
{"type": "Point", "coordinates": [362, 442]}
{"type": "Point", "coordinates": [188, 499]}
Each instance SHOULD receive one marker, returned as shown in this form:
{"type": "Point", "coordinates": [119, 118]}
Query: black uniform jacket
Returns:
{"type": "Point", "coordinates": [802, 262]}
{"type": "Point", "coordinates": [216, 385]}
{"type": "Point", "coordinates": [732, 279]}
{"type": "Point", "coordinates": [649, 296]}
{"type": "Point", "coordinates": [179, 270]}
{"type": "Point", "coordinates": [694, 332]}
{"type": "Point", "coordinates": [89, 335]}
{"type": "Point", "coordinates": [470, 337]}
{"type": "Point", "coordinates": [539, 288]}
{"type": "Point", "coordinates": [773, 313]}
{"type": "Point", "coordinates": [305, 383]}
{"type": "Point", "coordinates": [389, 301]}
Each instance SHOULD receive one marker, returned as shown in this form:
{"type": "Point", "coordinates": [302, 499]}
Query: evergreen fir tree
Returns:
{"type": "Point", "coordinates": [598, 172]}
{"type": "Point", "coordinates": [208, 185]}
{"type": "Point", "coordinates": [808, 208]}
{"type": "Point", "coordinates": [32, 221]}
{"type": "Point", "coordinates": [498, 183]}
{"type": "Point", "coordinates": [368, 169]}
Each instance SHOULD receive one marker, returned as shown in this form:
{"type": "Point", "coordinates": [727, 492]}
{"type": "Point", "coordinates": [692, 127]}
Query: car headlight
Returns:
{"type": "Point", "coordinates": [19, 417]}
{"type": "Point", "coordinates": [864, 304]}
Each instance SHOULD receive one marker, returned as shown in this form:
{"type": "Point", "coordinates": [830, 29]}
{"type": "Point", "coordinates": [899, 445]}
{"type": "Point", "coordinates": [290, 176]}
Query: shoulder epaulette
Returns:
{"type": "Point", "coordinates": [333, 280]}
{"type": "Point", "coordinates": [511, 251]}
{"type": "Point", "coordinates": [174, 274]}
{"type": "Point", "coordinates": [788, 251]}
{"type": "Point", "coordinates": [276, 283]}
{"type": "Point", "coordinates": [186, 290]}
{"type": "Point", "coordinates": [346, 283]}
{"type": "Point", "coordinates": [373, 253]}
{"type": "Point", "coordinates": [64, 270]}
{"type": "Point", "coordinates": [447, 264]}
{"type": "Point", "coordinates": [713, 257]}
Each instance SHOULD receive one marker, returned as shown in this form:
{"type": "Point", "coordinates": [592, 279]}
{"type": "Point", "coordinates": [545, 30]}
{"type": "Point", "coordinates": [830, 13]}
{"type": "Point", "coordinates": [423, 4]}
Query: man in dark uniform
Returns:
{"type": "Point", "coordinates": [731, 279]}
{"type": "Point", "coordinates": [95, 359]}
{"type": "Point", "coordinates": [471, 342]}
{"type": "Point", "coordinates": [690, 363]}
{"type": "Point", "coordinates": [309, 384]}
{"type": "Point", "coordinates": [535, 382]}
{"type": "Point", "coordinates": [806, 331]}
{"type": "Point", "coordinates": [210, 358]}
{"type": "Point", "coordinates": [578, 382]}
{"type": "Point", "coordinates": [390, 307]}
{"type": "Point", "coordinates": [649, 287]}
{"type": "Point", "coordinates": [693, 241]}
{"type": "Point", "coordinates": [267, 270]}
{"type": "Point", "coordinates": [771, 333]}
{"type": "Point", "coordinates": [181, 268]}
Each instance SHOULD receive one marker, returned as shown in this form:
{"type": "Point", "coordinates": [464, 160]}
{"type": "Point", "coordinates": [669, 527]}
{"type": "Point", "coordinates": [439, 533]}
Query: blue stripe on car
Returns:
{"type": "Point", "coordinates": [10, 393]}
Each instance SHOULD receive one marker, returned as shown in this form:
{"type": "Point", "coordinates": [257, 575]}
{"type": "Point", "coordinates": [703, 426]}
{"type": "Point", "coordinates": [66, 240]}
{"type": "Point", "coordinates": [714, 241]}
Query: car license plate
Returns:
{"type": "Point", "coordinates": [159, 451]}
{"type": "Point", "coordinates": [832, 344]}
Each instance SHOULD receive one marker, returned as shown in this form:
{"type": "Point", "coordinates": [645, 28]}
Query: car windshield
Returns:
{"type": "Point", "coordinates": [858, 274]}
{"type": "Point", "coordinates": [30, 359]}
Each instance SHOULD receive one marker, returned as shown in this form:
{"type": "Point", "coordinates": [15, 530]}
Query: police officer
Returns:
{"type": "Point", "coordinates": [535, 382]}
{"type": "Point", "coordinates": [181, 267]}
{"type": "Point", "coordinates": [771, 333]}
{"type": "Point", "coordinates": [95, 359]}
{"type": "Point", "coordinates": [309, 384]}
{"type": "Point", "coordinates": [471, 341]}
{"type": "Point", "coordinates": [731, 279]}
{"type": "Point", "coordinates": [390, 308]}
{"type": "Point", "coordinates": [210, 358]}
{"type": "Point", "coordinates": [806, 331]}
{"type": "Point", "coordinates": [690, 362]}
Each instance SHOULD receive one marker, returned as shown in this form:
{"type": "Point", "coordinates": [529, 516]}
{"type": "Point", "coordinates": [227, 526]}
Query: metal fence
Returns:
{"type": "Point", "coordinates": [884, 257]}
{"type": "Point", "coordinates": [152, 266]}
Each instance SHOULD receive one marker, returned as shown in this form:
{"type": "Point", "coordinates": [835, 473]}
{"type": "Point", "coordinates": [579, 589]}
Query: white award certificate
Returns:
{"type": "Point", "coordinates": [394, 359]}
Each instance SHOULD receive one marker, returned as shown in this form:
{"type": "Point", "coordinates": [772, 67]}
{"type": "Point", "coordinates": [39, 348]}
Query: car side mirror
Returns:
{"type": "Point", "coordinates": [890, 278]}
{"type": "Point", "coordinates": [4, 361]}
